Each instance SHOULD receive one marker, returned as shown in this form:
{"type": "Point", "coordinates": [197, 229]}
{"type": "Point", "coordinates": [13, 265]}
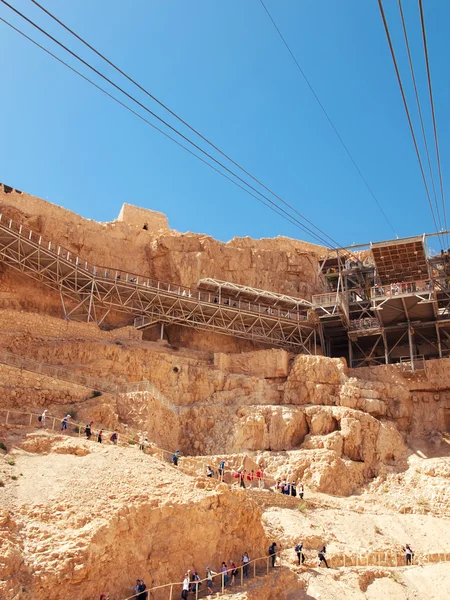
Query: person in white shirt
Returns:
{"type": "Point", "coordinates": [186, 586]}
{"type": "Point", "coordinates": [43, 416]}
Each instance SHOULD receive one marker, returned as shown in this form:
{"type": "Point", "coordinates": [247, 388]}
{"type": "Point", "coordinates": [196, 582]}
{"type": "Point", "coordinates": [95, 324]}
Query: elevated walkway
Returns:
{"type": "Point", "coordinates": [90, 292]}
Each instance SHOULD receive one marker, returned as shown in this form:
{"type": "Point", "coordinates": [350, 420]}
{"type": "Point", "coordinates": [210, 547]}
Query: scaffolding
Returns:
{"type": "Point", "coordinates": [390, 303]}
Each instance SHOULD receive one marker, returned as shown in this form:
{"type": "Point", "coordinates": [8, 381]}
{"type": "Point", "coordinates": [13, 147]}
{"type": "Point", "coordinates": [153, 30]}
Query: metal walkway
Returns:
{"type": "Point", "coordinates": [89, 292]}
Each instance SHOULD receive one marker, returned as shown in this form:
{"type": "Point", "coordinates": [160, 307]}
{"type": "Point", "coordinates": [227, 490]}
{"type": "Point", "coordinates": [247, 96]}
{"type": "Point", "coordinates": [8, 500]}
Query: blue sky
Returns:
{"type": "Point", "coordinates": [221, 66]}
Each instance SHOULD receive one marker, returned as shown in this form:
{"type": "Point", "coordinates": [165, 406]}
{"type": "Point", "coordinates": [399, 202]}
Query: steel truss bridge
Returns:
{"type": "Point", "coordinates": [90, 293]}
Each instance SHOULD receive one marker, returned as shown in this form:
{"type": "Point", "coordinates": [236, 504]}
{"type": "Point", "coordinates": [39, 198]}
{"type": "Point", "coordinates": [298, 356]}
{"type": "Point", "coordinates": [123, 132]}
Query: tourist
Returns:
{"type": "Point", "coordinates": [293, 489]}
{"type": "Point", "coordinates": [114, 437]}
{"type": "Point", "coordinates": [141, 442]}
{"type": "Point", "coordinates": [251, 477]}
{"type": "Point", "coordinates": [42, 417]}
{"type": "Point", "coordinates": [209, 472]}
{"type": "Point", "coordinates": [221, 470]}
{"type": "Point", "coordinates": [186, 586]}
{"type": "Point", "coordinates": [209, 580]}
{"type": "Point", "coordinates": [242, 478]}
{"type": "Point", "coordinates": [64, 423]}
{"type": "Point", "coordinates": [260, 477]}
{"type": "Point", "coordinates": [301, 491]}
{"type": "Point", "coordinates": [273, 553]}
{"type": "Point", "coordinates": [142, 594]}
{"type": "Point", "coordinates": [175, 458]}
{"type": "Point", "coordinates": [408, 554]}
{"type": "Point", "coordinates": [321, 557]}
{"type": "Point", "coordinates": [196, 582]}
{"type": "Point", "coordinates": [300, 555]}
{"type": "Point", "coordinates": [245, 561]}
{"type": "Point", "coordinates": [224, 571]}
{"type": "Point", "coordinates": [233, 572]}
{"type": "Point", "coordinates": [100, 436]}
{"type": "Point", "coordinates": [88, 430]}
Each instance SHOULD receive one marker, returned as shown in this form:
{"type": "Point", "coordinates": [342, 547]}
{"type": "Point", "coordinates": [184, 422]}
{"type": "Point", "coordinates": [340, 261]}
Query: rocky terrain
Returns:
{"type": "Point", "coordinates": [77, 518]}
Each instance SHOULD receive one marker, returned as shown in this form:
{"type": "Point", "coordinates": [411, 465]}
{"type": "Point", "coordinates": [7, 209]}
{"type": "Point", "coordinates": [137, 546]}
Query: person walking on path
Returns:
{"type": "Point", "coordinates": [114, 437]}
{"type": "Point", "coordinates": [64, 423]}
{"type": "Point", "coordinates": [245, 561]}
{"type": "Point", "coordinates": [141, 589]}
{"type": "Point", "coordinates": [209, 580]}
{"type": "Point", "coordinates": [42, 417]}
{"type": "Point", "coordinates": [100, 436]}
{"type": "Point", "coordinates": [175, 458]}
{"type": "Point", "coordinates": [301, 491]}
{"type": "Point", "coordinates": [221, 470]}
{"type": "Point", "coordinates": [273, 553]}
{"type": "Point", "coordinates": [321, 557]}
{"type": "Point", "coordinates": [196, 582]}
{"type": "Point", "coordinates": [224, 572]}
{"type": "Point", "coordinates": [300, 555]}
{"type": "Point", "coordinates": [209, 471]}
{"type": "Point", "coordinates": [242, 479]}
{"type": "Point", "coordinates": [186, 586]}
{"type": "Point", "coordinates": [408, 554]}
{"type": "Point", "coordinates": [88, 430]}
{"type": "Point", "coordinates": [233, 572]}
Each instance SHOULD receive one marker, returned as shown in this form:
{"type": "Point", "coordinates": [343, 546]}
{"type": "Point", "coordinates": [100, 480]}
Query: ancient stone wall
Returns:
{"type": "Point", "coordinates": [143, 218]}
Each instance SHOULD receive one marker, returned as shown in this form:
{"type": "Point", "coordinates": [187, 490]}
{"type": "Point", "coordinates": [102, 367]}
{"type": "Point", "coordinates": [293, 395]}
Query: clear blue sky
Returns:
{"type": "Point", "coordinates": [222, 67]}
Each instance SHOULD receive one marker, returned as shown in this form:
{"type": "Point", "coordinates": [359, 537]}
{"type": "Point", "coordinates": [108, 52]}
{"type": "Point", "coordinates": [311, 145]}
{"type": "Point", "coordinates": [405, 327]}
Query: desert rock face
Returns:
{"type": "Point", "coordinates": [78, 518]}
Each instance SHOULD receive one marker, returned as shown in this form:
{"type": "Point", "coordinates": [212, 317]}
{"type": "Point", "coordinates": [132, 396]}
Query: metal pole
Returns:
{"type": "Point", "coordinates": [411, 348]}
{"type": "Point", "coordinates": [7, 417]}
{"type": "Point", "coordinates": [223, 581]}
{"type": "Point", "coordinates": [171, 591]}
{"type": "Point", "coordinates": [254, 568]}
{"type": "Point", "coordinates": [31, 418]}
{"type": "Point", "coordinates": [267, 565]}
{"type": "Point", "coordinates": [162, 331]}
{"type": "Point", "coordinates": [242, 575]}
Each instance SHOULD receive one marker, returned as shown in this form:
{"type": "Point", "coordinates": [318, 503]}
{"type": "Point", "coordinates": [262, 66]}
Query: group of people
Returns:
{"type": "Point", "coordinates": [88, 430]}
{"type": "Point", "coordinates": [226, 575]}
{"type": "Point", "coordinates": [290, 488]}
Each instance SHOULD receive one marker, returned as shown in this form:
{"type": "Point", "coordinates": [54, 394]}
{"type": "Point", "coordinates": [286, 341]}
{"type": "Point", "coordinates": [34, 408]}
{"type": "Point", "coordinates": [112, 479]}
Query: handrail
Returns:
{"type": "Point", "coordinates": [57, 372]}
{"type": "Point", "coordinates": [131, 440]}
{"type": "Point", "coordinates": [402, 288]}
{"type": "Point", "coordinates": [127, 277]}
{"type": "Point", "coordinates": [90, 381]}
{"type": "Point", "coordinates": [244, 570]}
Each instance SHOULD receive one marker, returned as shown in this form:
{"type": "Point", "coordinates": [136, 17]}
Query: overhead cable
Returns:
{"type": "Point", "coordinates": [319, 102]}
{"type": "Point", "coordinates": [411, 67]}
{"type": "Point", "coordinates": [181, 120]}
{"type": "Point", "coordinates": [405, 104]}
{"type": "Point", "coordinates": [284, 216]}
{"type": "Point", "coordinates": [430, 90]}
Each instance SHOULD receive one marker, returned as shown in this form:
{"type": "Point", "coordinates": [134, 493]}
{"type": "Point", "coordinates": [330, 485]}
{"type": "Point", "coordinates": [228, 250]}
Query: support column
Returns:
{"type": "Point", "coordinates": [162, 332]}
{"type": "Point", "coordinates": [439, 340]}
{"type": "Point", "coordinates": [411, 348]}
{"type": "Point", "coordinates": [386, 349]}
{"type": "Point", "coordinates": [350, 354]}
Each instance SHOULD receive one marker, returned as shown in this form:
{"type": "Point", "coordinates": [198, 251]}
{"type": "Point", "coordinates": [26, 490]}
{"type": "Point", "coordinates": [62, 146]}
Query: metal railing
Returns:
{"type": "Point", "coordinates": [57, 372]}
{"type": "Point", "coordinates": [221, 581]}
{"type": "Point", "coordinates": [88, 381]}
{"type": "Point", "coordinates": [365, 323]}
{"type": "Point", "coordinates": [402, 289]}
